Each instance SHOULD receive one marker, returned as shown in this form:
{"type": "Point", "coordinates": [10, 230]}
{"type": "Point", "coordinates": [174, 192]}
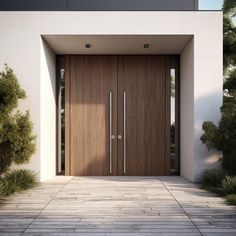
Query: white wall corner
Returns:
{"type": "Point", "coordinates": [186, 111]}
{"type": "Point", "coordinates": [47, 111]}
{"type": "Point", "coordinates": [208, 90]}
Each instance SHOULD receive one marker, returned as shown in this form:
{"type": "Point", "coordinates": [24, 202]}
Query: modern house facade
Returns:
{"type": "Point", "coordinates": [116, 87]}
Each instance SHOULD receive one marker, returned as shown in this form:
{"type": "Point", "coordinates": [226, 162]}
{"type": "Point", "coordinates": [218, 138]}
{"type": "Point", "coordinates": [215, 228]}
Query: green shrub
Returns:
{"type": "Point", "coordinates": [213, 177]}
{"type": "Point", "coordinates": [17, 143]}
{"type": "Point", "coordinates": [10, 92]}
{"type": "Point", "coordinates": [228, 185]}
{"type": "Point", "coordinates": [222, 136]}
{"type": "Point", "coordinates": [231, 199]}
{"type": "Point", "coordinates": [17, 181]}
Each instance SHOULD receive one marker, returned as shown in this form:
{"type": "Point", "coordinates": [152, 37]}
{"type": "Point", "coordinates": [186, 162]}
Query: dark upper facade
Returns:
{"type": "Point", "coordinates": [98, 5]}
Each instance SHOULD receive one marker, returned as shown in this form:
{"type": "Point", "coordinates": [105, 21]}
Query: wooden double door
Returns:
{"type": "Point", "coordinates": [117, 115]}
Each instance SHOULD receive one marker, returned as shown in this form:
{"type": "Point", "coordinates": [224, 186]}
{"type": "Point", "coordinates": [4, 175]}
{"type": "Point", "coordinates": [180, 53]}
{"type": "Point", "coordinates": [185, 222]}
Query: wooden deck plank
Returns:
{"type": "Point", "coordinates": [116, 206]}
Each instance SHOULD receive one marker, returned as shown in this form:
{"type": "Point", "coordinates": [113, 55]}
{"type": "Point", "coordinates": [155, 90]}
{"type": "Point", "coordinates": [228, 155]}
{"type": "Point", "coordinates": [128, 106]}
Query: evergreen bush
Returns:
{"type": "Point", "coordinates": [228, 185]}
{"type": "Point", "coordinates": [231, 199]}
{"type": "Point", "coordinates": [222, 136]}
{"type": "Point", "coordinates": [17, 144]}
{"type": "Point", "coordinates": [17, 181]}
{"type": "Point", "coordinates": [213, 177]}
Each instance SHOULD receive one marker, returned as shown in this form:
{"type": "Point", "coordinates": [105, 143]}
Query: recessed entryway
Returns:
{"type": "Point", "coordinates": [117, 114]}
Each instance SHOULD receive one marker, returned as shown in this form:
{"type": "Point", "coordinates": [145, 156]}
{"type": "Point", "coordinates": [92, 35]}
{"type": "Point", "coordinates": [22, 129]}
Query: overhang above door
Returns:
{"type": "Point", "coordinates": [117, 44]}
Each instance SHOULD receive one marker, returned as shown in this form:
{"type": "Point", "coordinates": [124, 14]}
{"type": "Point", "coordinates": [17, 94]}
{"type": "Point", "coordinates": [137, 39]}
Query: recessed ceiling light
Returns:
{"type": "Point", "coordinates": [88, 45]}
{"type": "Point", "coordinates": [146, 45]}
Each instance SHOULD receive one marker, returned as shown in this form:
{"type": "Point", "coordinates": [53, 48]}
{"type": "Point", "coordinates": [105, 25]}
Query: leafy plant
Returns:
{"type": "Point", "coordinates": [229, 7]}
{"type": "Point", "coordinates": [17, 144]}
{"type": "Point", "coordinates": [213, 177]}
{"type": "Point", "coordinates": [231, 199]}
{"type": "Point", "coordinates": [222, 136]}
{"type": "Point", "coordinates": [228, 185]}
{"type": "Point", "coordinates": [10, 92]}
{"type": "Point", "coordinates": [17, 181]}
{"type": "Point", "coordinates": [217, 181]}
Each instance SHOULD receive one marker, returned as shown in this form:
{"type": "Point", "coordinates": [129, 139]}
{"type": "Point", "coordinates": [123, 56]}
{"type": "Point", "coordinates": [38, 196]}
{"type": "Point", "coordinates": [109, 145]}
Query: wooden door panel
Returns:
{"type": "Point", "coordinates": [143, 80]}
{"type": "Point", "coordinates": [91, 80]}
{"type": "Point", "coordinates": [130, 74]}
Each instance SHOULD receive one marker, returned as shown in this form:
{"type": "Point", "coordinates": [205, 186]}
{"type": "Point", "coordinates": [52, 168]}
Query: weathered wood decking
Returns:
{"type": "Point", "coordinates": [117, 206]}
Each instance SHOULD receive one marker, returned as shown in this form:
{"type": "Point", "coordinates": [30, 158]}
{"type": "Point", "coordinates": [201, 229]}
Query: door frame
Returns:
{"type": "Point", "coordinates": [170, 61]}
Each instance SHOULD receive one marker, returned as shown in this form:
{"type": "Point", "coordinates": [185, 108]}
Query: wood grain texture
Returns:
{"type": "Point", "coordinates": [67, 117]}
{"type": "Point", "coordinates": [146, 81]}
{"type": "Point", "coordinates": [143, 80]}
{"type": "Point", "coordinates": [111, 205]}
{"type": "Point", "coordinates": [91, 80]}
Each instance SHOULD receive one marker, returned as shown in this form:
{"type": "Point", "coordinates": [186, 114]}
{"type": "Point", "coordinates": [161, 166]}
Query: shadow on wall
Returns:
{"type": "Point", "coordinates": [207, 108]}
{"type": "Point", "coordinates": [204, 158]}
{"type": "Point", "coordinates": [47, 111]}
{"type": "Point", "coordinates": [50, 59]}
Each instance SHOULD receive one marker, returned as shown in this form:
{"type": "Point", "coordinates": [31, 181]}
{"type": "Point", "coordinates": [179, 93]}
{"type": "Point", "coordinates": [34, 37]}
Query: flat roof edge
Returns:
{"type": "Point", "coordinates": [97, 5]}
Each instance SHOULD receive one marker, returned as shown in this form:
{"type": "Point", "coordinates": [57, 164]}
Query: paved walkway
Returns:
{"type": "Point", "coordinates": [117, 206]}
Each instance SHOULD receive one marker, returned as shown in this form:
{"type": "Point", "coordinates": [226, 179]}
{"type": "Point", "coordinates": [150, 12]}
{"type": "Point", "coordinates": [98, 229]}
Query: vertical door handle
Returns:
{"type": "Point", "coordinates": [124, 138]}
{"type": "Point", "coordinates": [110, 132]}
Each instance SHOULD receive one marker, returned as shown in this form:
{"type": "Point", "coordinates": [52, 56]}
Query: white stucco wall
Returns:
{"type": "Point", "coordinates": [48, 111]}
{"type": "Point", "coordinates": [21, 46]}
{"type": "Point", "coordinates": [187, 110]}
{"type": "Point", "coordinates": [208, 87]}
